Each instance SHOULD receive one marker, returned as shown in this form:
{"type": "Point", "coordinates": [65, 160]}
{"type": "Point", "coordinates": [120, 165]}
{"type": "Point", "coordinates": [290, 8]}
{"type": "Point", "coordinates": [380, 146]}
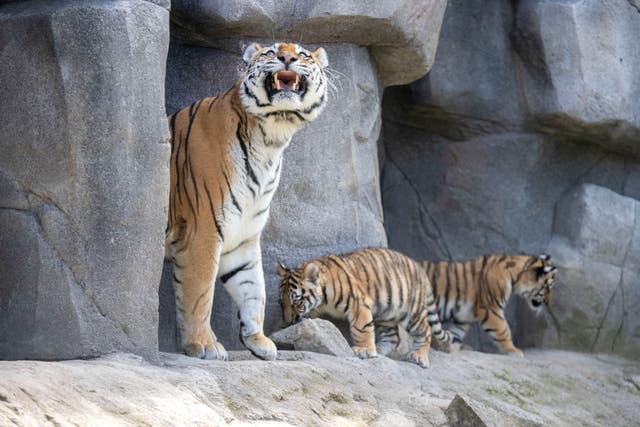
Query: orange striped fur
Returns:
{"type": "Point", "coordinates": [226, 161]}
{"type": "Point", "coordinates": [377, 290]}
{"type": "Point", "coordinates": [478, 290]}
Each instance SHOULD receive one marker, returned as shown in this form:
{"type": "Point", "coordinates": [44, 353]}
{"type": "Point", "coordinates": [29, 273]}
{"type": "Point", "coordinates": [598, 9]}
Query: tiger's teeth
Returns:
{"type": "Point", "coordinates": [295, 84]}
{"type": "Point", "coordinates": [277, 81]}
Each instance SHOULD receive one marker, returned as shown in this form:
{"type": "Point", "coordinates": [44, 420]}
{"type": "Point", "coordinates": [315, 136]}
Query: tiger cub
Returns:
{"type": "Point", "coordinates": [478, 290]}
{"type": "Point", "coordinates": [377, 290]}
{"type": "Point", "coordinates": [226, 159]}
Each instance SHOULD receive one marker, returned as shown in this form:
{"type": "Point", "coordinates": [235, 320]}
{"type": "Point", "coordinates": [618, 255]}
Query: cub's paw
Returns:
{"type": "Point", "coordinates": [364, 352]}
{"type": "Point", "coordinates": [418, 358]}
{"type": "Point", "coordinates": [210, 351]}
{"type": "Point", "coordinates": [260, 346]}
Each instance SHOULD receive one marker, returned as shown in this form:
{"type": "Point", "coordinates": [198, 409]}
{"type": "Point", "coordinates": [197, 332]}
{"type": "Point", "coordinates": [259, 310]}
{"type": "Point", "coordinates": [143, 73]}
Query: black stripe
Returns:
{"type": "Point", "coordinates": [213, 213]}
{"type": "Point", "coordinates": [255, 98]}
{"type": "Point", "coordinates": [233, 197]}
{"type": "Point", "coordinates": [246, 266]}
{"type": "Point", "coordinates": [261, 212]}
{"type": "Point", "coordinates": [245, 153]}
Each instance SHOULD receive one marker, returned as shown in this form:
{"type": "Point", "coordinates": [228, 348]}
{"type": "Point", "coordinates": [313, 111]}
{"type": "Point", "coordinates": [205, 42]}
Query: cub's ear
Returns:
{"type": "Point", "coordinates": [545, 257]}
{"type": "Point", "coordinates": [320, 56]}
{"type": "Point", "coordinates": [250, 51]}
{"type": "Point", "coordinates": [548, 268]}
{"type": "Point", "coordinates": [282, 270]}
{"type": "Point", "coordinates": [311, 273]}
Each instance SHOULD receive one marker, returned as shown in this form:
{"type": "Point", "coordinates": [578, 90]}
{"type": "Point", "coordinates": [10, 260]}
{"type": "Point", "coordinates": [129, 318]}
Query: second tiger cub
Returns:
{"type": "Point", "coordinates": [378, 290]}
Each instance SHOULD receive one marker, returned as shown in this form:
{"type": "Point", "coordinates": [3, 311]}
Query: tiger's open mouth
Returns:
{"type": "Point", "coordinates": [285, 81]}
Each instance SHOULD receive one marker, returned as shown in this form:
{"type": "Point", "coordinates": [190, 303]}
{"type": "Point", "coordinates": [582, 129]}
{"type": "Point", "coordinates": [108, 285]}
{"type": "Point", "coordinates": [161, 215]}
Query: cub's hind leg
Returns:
{"type": "Point", "coordinates": [195, 261]}
{"type": "Point", "coordinates": [386, 337]}
{"type": "Point", "coordinates": [494, 323]}
{"type": "Point", "coordinates": [420, 331]}
{"type": "Point", "coordinates": [242, 276]}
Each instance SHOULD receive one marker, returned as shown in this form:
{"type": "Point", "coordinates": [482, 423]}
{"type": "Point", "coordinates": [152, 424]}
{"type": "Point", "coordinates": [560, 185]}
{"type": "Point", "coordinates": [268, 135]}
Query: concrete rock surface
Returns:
{"type": "Point", "coordinates": [552, 387]}
{"type": "Point", "coordinates": [83, 176]}
{"type": "Point", "coordinates": [317, 335]}
{"type": "Point", "coordinates": [402, 35]}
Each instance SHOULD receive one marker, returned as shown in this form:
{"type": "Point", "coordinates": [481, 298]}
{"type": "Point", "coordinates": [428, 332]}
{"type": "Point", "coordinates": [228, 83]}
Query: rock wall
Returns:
{"type": "Point", "coordinates": [83, 176]}
{"type": "Point", "coordinates": [529, 105]}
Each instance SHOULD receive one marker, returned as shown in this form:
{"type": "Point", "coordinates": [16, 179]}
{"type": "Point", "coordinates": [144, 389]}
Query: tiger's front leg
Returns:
{"type": "Point", "coordinates": [363, 333]}
{"type": "Point", "coordinates": [494, 323]}
{"type": "Point", "coordinates": [194, 272]}
{"type": "Point", "coordinates": [242, 276]}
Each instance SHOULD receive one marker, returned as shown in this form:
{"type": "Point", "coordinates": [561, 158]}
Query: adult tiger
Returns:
{"type": "Point", "coordinates": [478, 290]}
{"type": "Point", "coordinates": [225, 166]}
{"type": "Point", "coordinates": [376, 289]}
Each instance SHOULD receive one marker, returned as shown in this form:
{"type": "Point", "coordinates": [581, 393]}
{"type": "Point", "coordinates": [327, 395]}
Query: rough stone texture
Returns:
{"type": "Point", "coordinates": [465, 412]}
{"type": "Point", "coordinates": [329, 195]}
{"type": "Point", "coordinates": [502, 66]}
{"type": "Point", "coordinates": [317, 335]}
{"type": "Point", "coordinates": [552, 387]}
{"type": "Point", "coordinates": [83, 176]}
{"type": "Point", "coordinates": [583, 84]}
{"type": "Point", "coordinates": [472, 163]}
{"type": "Point", "coordinates": [402, 34]}
{"type": "Point", "coordinates": [595, 241]}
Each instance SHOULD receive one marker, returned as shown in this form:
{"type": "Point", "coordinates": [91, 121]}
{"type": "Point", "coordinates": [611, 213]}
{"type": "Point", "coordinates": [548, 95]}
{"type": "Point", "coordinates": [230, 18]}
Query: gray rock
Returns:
{"type": "Point", "coordinates": [317, 335]}
{"type": "Point", "coordinates": [329, 194]}
{"type": "Point", "coordinates": [466, 412]}
{"type": "Point", "coordinates": [303, 388]}
{"type": "Point", "coordinates": [595, 246]}
{"type": "Point", "coordinates": [402, 34]}
{"type": "Point", "coordinates": [598, 223]}
{"type": "Point", "coordinates": [83, 177]}
{"type": "Point", "coordinates": [582, 84]}
{"type": "Point", "coordinates": [462, 413]}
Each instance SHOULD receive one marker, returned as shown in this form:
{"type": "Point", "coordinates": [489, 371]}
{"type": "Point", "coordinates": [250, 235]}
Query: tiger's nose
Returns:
{"type": "Point", "coordinates": [287, 58]}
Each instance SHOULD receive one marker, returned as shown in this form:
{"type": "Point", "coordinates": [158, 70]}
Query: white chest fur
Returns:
{"type": "Point", "coordinates": [247, 205]}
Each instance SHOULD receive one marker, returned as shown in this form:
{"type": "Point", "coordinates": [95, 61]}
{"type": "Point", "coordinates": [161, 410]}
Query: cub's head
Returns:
{"type": "Point", "coordinates": [299, 291]}
{"type": "Point", "coordinates": [535, 281]}
{"type": "Point", "coordinates": [285, 79]}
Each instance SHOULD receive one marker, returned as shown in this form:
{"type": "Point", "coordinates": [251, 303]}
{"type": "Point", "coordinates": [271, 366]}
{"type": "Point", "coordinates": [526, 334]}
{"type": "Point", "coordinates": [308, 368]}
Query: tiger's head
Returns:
{"type": "Point", "coordinates": [284, 80]}
{"type": "Point", "coordinates": [299, 291]}
{"type": "Point", "coordinates": [535, 281]}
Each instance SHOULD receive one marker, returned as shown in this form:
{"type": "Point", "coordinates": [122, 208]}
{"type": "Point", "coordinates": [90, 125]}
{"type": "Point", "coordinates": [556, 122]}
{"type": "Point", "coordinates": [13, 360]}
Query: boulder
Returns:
{"type": "Point", "coordinates": [328, 199]}
{"type": "Point", "coordinates": [584, 83]}
{"type": "Point", "coordinates": [83, 177]}
{"type": "Point", "coordinates": [595, 244]}
{"type": "Point", "coordinates": [466, 412]}
{"type": "Point", "coordinates": [402, 35]}
{"type": "Point", "coordinates": [317, 335]}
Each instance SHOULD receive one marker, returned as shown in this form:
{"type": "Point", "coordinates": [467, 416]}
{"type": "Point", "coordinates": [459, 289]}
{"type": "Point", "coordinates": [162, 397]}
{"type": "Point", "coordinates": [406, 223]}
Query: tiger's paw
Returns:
{"type": "Point", "coordinates": [419, 358]}
{"type": "Point", "coordinates": [260, 346]}
{"type": "Point", "coordinates": [364, 352]}
{"type": "Point", "coordinates": [209, 351]}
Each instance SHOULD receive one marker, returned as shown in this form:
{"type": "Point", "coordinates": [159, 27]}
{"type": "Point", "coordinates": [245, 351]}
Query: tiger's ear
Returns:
{"type": "Point", "coordinates": [282, 270]}
{"type": "Point", "coordinates": [548, 268]}
{"type": "Point", "coordinates": [545, 257]}
{"type": "Point", "coordinates": [311, 273]}
{"type": "Point", "coordinates": [250, 51]}
{"type": "Point", "coordinates": [320, 56]}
